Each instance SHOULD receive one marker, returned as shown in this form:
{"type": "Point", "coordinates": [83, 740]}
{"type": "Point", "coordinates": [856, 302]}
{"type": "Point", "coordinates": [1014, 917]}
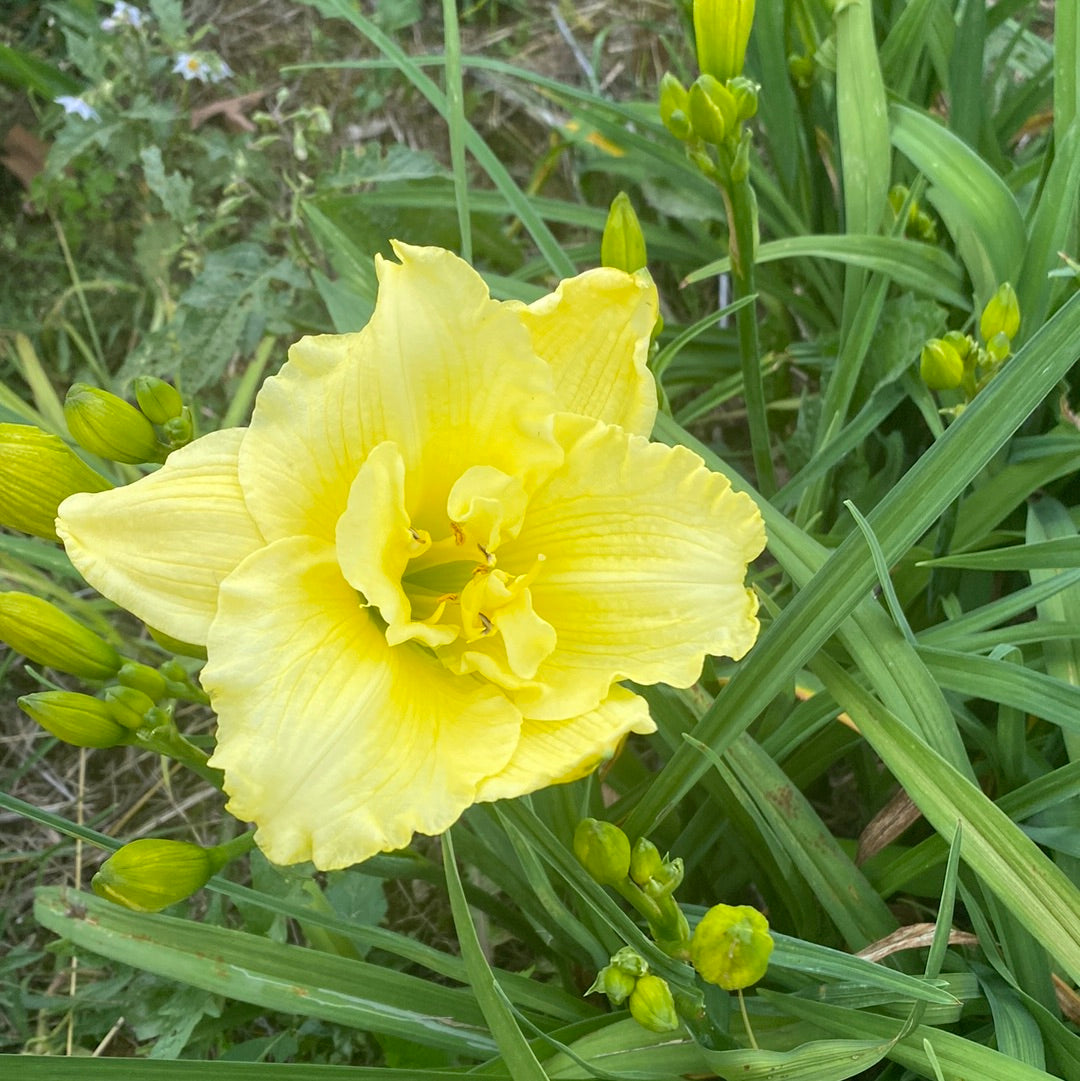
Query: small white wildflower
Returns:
{"type": "Point", "coordinates": [78, 107]}
{"type": "Point", "coordinates": [219, 70]}
{"type": "Point", "coordinates": [123, 14]}
{"type": "Point", "coordinates": [191, 66]}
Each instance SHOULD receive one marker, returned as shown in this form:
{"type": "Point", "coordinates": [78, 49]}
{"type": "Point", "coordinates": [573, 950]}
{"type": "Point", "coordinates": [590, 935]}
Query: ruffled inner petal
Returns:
{"type": "Point", "coordinates": [161, 546]}
{"type": "Point", "coordinates": [645, 559]}
{"type": "Point", "coordinates": [554, 752]}
{"type": "Point", "coordinates": [335, 744]}
{"type": "Point", "coordinates": [441, 370]}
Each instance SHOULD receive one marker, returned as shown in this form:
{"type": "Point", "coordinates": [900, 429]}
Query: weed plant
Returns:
{"type": "Point", "coordinates": [891, 774]}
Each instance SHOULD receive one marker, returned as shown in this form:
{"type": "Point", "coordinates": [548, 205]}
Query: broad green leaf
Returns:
{"type": "Point", "coordinates": [921, 267]}
{"type": "Point", "coordinates": [270, 974]}
{"type": "Point", "coordinates": [979, 210]}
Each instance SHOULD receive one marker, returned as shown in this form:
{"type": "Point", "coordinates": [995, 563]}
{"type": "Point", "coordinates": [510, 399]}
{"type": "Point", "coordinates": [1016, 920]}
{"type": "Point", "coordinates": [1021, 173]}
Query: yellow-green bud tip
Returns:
{"type": "Point", "coordinates": [940, 365]}
{"type": "Point", "coordinates": [149, 875]}
{"type": "Point", "coordinates": [603, 850]}
{"type": "Point", "coordinates": [1001, 314]}
{"type": "Point", "coordinates": [623, 243]}
{"type": "Point", "coordinates": [721, 32]}
{"type": "Point", "coordinates": [108, 426]}
{"type": "Point", "coordinates": [645, 861]}
{"type": "Point", "coordinates": [160, 401]}
{"type": "Point", "coordinates": [731, 946]}
{"type": "Point", "coordinates": [714, 112]}
{"type": "Point", "coordinates": [38, 471]}
{"type": "Point", "coordinates": [46, 635]}
{"type": "Point", "coordinates": [613, 982]}
{"type": "Point", "coordinates": [652, 1005]}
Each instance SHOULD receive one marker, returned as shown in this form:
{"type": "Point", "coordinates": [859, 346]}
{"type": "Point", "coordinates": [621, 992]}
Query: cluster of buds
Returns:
{"type": "Point", "coordinates": [106, 425]}
{"type": "Point", "coordinates": [626, 981]}
{"type": "Point", "coordinates": [959, 362]}
{"type": "Point", "coordinates": [730, 947]}
{"type": "Point", "coordinates": [711, 112]}
{"type": "Point", "coordinates": [919, 225]}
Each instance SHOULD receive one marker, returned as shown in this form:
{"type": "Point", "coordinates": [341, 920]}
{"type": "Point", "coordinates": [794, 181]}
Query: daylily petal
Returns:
{"type": "Point", "coordinates": [443, 371]}
{"type": "Point", "coordinates": [645, 552]}
{"type": "Point", "coordinates": [554, 752]}
{"type": "Point", "coordinates": [161, 546]}
{"type": "Point", "coordinates": [334, 743]}
{"type": "Point", "coordinates": [594, 331]}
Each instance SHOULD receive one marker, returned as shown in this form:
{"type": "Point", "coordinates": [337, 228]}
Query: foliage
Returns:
{"type": "Point", "coordinates": [890, 775]}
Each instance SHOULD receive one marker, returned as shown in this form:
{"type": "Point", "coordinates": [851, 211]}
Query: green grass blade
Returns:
{"type": "Point", "coordinates": [535, 225]}
{"type": "Point", "coordinates": [979, 210]}
{"type": "Point", "coordinates": [848, 573]}
{"type": "Point", "coordinates": [78, 1068]}
{"type": "Point", "coordinates": [1058, 553]}
{"type": "Point", "coordinates": [1037, 893]}
{"type": "Point", "coordinates": [514, 1048]}
{"type": "Point", "coordinates": [456, 123]}
{"type": "Point", "coordinates": [270, 974]}
{"type": "Point", "coordinates": [822, 1060]}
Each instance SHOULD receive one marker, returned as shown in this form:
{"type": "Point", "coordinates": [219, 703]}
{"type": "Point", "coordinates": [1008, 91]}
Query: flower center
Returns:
{"type": "Point", "coordinates": [447, 593]}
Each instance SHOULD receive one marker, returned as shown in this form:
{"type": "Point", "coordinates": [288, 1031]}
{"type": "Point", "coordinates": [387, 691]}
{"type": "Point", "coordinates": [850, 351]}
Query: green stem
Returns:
{"type": "Point", "coordinates": [166, 740]}
{"type": "Point", "coordinates": [740, 204]}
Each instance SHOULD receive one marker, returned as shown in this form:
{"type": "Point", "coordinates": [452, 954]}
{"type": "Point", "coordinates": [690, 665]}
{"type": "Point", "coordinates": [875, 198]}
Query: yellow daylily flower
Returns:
{"type": "Point", "coordinates": [423, 569]}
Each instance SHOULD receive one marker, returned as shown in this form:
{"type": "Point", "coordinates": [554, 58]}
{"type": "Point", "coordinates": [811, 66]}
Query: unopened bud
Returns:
{"type": "Point", "coordinates": [675, 107]}
{"type": "Point", "coordinates": [666, 880]}
{"type": "Point", "coordinates": [128, 706]}
{"type": "Point", "coordinates": [38, 471]}
{"type": "Point", "coordinates": [623, 243]}
{"type": "Point", "coordinates": [745, 92]}
{"type": "Point", "coordinates": [603, 850]}
{"type": "Point", "coordinates": [109, 427]}
{"type": "Point", "coordinates": [160, 401]}
{"type": "Point", "coordinates": [713, 112]}
{"type": "Point", "coordinates": [999, 347]}
{"type": "Point", "coordinates": [940, 366]}
{"type": "Point", "coordinates": [630, 961]}
{"type": "Point", "coordinates": [43, 633]}
{"type": "Point", "coordinates": [178, 430]}
{"type": "Point", "coordinates": [731, 946]}
{"type": "Point", "coordinates": [78, 719]}
{"type": "Point", "coordinates": [1001, 314]}
{"type": "Point", "coordinates": [149, 875]}
{"type": "Point", "coordinates": [652, 1005]}
{"type": "Point", "coordinates": [143, 678]}
{"type": "Point", "coordinates": [613, 982]}
{"type": "Point", "coordinates": [645, 861]}
{"type": "Point", "coordinates": [721, 32]}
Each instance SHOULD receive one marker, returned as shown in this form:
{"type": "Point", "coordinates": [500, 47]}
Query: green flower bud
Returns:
{"type": "Point", "coordinates": [38, 472]}
{"type": "Point", "coordinates": [160, 401]}
{"type": "Point", "coordinates": [174, 645]}
{"type": "Point", "coordinates": [745, 92]}
{"type": "Point", "coordinates": [1001, 314]}
{"type": "Point", "coordinates": [940, 366]}
{"type": "Point", "coordinates": [603, 850]}
{"type": "Point", "coordinates": [801, 70]}
{"type": "Point", "coordinates": [666, 880]}
{"type": "Point", "coordinates": [652, 1005]}
{"type": "Point", "coordinates": [613, 982]}
{"type": "Point", "coordinates": [43, 633]}
{"type": "Point", "coordinates": [623, 243]}
{"type": "Point", "coordinates": [675, 107]}
{"type": "Point", "coordinates": [722, 31]}
{"type": "Point", "coordinates": [108, 426]}
{"type": "Point", "coordinates": [631, 962]}
{"type": "Point", "coordinates": [128, 706]}
{"type": "Point", "coordinates": [179, 430]}
{"type": "Point", "coordinates": [645, 861]}
{"type": "Point", "coordinates": [149, 875]}
{"type": "Point", "coordinates": [78, 719]}
{"type": "Point", "coordinates": [143, 678]}
{"type": "Point", "coordinates": [960, 342]}
{"type": "Point", "coordinates": [713, 112]}
{"type": "Point", "coordinates": [999, 347]}
{"type": "Point", "coordinates": [731, 946]}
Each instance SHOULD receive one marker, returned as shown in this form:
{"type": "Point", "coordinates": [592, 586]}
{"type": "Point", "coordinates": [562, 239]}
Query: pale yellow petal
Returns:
{"type": "Point", "coordinates": [645, 554]}
{"type": "Point", "coordinates": [160, 547]}
{"type": "Point", "coordinates": [441, 370]}
{"type": "Point", "coordinates": [553, 752]}
{"type": "Point", "coordinates": [594, 331]}
{"type": "Point", "coordinates": [335, 744]}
